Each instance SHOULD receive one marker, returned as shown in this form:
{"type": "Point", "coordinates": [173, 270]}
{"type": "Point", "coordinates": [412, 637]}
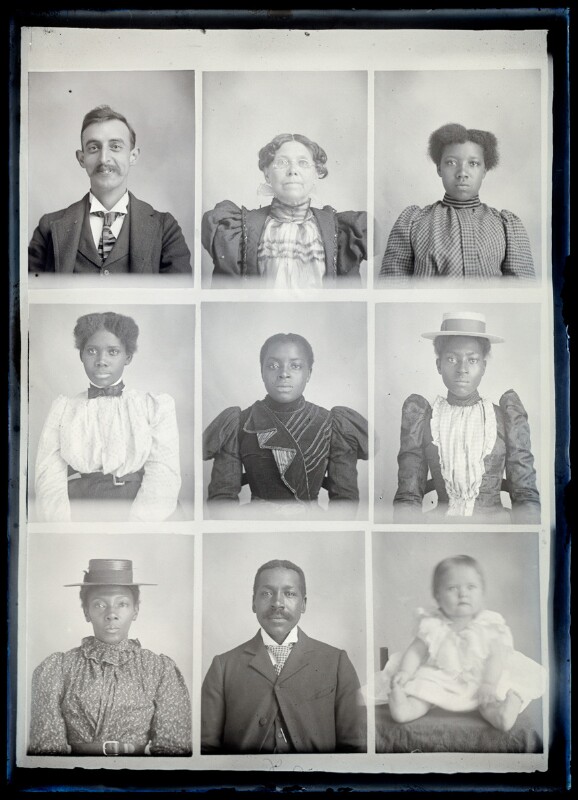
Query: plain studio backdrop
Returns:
{"type": "Point", "coordinates": [409, 106]}
{"type": "Point", "coordinates": [55, 619]}
{"type": "Point", "coordinates": [162, 364]}
{"type": "Point", "coordinates": [243, 111]}
{"type": "Point", "coordinates": [333, 563]}
{"type": "Point", "coordinates": [403, 565]}
{"type": "Point", "coordinates": [160, 106]}
{"type": "Point", "coordinates": [405, 363]}
{"type": "Point", "coordinates": [232, 337]}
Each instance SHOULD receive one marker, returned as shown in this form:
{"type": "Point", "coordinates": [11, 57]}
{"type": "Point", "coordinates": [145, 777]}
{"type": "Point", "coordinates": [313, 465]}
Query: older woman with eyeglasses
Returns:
{"type": "Point", "coordinates": [288, 244]}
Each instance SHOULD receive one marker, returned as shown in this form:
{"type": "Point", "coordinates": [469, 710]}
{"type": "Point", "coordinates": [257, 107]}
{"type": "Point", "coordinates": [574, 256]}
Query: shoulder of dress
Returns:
{"type": "Point", "coordinates": [487, 617]}
{"type": "Point", "coordinates": [415, 404]}
{"type": "Point", "coordinates": [511, 399]}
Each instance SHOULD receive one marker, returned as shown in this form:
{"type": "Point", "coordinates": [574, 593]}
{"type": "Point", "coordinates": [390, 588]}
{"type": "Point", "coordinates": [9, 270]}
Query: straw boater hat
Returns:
{"type": "Point", "coordinates": [463, 323]}
{"type": "Point", "coordinates": [109, 572]}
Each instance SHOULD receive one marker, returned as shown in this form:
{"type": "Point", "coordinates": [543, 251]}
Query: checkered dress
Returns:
{"type": "Point", "coordinates": [457, 239]}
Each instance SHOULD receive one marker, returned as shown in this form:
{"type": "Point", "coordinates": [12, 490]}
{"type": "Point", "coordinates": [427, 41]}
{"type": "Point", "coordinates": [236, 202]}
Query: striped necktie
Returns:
{"type": "Point", "coordinates": [281, 653]}
{"type": "Point", "coordinates": [107, 237]}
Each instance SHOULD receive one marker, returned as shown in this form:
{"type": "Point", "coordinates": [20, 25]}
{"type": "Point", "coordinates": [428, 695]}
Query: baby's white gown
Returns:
{"type": "Point", "coordinates": [454, 669]}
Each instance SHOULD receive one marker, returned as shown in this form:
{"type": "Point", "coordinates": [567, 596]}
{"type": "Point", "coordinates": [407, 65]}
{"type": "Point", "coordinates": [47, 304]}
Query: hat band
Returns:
{"type": "Point", "coordinates": [109, 576]}
{"type": "Point", "coordinates": [466, 325]}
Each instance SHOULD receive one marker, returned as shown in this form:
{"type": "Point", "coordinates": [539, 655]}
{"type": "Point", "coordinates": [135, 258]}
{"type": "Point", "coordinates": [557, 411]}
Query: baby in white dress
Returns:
{"type": "Point", "coordinates": [462, 657]}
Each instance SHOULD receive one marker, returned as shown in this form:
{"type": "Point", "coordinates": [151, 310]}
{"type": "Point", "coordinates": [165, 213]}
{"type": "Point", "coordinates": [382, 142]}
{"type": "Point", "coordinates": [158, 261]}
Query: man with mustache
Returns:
{"type": "Point", "coordinates": [281, 692]}
{"type": "Point", "coordinates": [109, 231]}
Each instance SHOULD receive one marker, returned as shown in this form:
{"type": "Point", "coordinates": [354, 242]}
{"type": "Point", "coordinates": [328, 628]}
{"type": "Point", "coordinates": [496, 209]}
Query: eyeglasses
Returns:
{"type": "Point", "coordinates": [284, 163]}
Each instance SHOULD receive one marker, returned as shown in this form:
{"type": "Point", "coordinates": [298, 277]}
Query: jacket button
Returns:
{"type": "Point", "coordinates": [106, 272]}
{"type": "Point", "coordinates": [263, 721]}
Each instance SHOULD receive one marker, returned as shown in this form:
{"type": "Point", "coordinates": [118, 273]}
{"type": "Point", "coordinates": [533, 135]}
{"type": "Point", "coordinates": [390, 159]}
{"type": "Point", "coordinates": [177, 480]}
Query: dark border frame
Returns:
{"type": "Point", "coordinates": [556, 21]}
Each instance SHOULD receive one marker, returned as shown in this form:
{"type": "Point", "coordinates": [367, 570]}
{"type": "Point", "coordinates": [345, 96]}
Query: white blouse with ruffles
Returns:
{"type": "Point", "coordinates": [116, 436]}
{"type": "Point", "coordinates": [464, 436]}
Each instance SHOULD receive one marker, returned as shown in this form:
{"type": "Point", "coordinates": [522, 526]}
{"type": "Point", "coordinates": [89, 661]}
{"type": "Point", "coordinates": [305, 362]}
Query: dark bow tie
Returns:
{"type": "Point", "coordinates": [105, 391]}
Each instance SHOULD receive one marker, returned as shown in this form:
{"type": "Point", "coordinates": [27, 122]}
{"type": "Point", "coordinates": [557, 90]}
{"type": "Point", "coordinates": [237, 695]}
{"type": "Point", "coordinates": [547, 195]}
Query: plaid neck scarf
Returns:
{"type": "Point", "coordinates": [107, 237]}
{"type": "Point", "coordinates": [281, 653]}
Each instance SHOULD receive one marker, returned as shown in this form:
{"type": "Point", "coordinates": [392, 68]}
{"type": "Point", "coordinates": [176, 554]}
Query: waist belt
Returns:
{"type": "Point", "coordinates": [107, 748]}
{"type": "Point", "coordinates": [130, 477]}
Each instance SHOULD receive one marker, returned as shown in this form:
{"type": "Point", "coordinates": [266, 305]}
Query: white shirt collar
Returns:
{"type": "Point", "coordinates": [291, 637]}
{"type": "Point", "coordinates": [96, 205]}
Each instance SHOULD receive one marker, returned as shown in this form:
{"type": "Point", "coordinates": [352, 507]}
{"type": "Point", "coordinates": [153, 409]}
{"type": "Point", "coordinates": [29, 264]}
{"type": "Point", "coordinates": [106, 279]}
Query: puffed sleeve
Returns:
{"type": "Point", "coordinates": [51, 481]}
{"type": "Point", "coordinates": [157, 497]}
{"type": "Point", "coordinates": [430, 630]}
{"type": "Point", "coordinates": [221, 236]}
{"type": "Point", "coordinates": [398, 259]}
{"type": "Point", "coordinates": [213, 709]}
{"type": "Point", "coordinates": [412, 462]}
{"type": "Point", "coordinates": [496, 631]}
{"type": "Point", "coordinates": [520, 472]}
{"type": "Point", "coordinates": [170, 732]}
{"type": "Point", "coordinates": [47, 726]}
{"type": "Point", "coordinates": [348, 444]}
{"type": "Point", "coordinates": [351, 242]}
{"type": "Point", "coordinates": [221, 444]}
{"type": "Point", "coordinates": [518, 261]}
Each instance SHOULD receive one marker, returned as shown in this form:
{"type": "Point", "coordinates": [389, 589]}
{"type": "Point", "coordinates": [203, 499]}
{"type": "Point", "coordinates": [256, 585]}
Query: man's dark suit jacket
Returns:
{"type": "Point", "coordinates": [156, 240]}
{"type": "Point", "coordinates": [316, 694]}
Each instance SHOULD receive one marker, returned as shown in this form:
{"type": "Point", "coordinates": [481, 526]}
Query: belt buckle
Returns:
{"type": "Point", "coordinates": [110, 741]}
{"type": "Point", "coordinates": [116, 481]}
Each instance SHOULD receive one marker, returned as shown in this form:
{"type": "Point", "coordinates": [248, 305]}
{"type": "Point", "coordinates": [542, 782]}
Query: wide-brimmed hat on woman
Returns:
{"type": "Point", "coordinates": [109, 572]}
{"type": "Point", "coordinates": [463, 323]}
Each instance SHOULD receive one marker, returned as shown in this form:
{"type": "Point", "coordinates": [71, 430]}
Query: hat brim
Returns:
{"type": "Point", "coordinates": [108, 583]}
{"type": "Point", "coordinates": [467, 334]}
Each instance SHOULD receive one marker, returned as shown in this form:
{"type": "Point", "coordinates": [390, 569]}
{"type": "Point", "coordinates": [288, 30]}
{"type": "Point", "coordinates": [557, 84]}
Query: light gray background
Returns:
{"type": "Point", "coordinates": [409, 106]}
{"type": "Point", "coordinates": [333, 563]}
{"type": "Point", "coordinates": [243, 111]}
{"type": "Point", "coordinates": [159, 105]}
{"type": "Point", "coordinates": [55, 620]}
{"type": "Point", "coordinates": [405, 364]}
{"type": "Point", "coordinates": [162, 364]}
{"type": "Point", "coordinates": [232, 337]}
{"type": "Point", "coordinates": [403, 565]}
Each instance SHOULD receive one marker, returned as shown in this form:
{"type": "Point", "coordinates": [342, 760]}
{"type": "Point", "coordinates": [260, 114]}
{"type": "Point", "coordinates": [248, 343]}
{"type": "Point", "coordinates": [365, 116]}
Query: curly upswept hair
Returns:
{"type": "Point", "coordinates": [268, 153]}
{"type": "Point", "coordinates": [287, 338]}
{"type": "Point", "coordinates": [124, 328]}
{"type": "Point", "coordinates": [454, 561]}
{"type": "Point", "coordinates": [103, 114]}
{"type": "Point", "coordinates": [452, 133]}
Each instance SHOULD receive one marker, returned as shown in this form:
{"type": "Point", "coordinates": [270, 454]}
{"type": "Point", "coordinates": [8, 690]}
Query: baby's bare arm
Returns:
{"type": "Point", "coordinates": [414, 657]}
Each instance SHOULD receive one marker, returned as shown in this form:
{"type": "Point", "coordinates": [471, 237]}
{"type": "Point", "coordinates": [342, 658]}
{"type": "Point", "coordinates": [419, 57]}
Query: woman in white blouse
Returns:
{"type": "Point", "coordinates": [109, 444]}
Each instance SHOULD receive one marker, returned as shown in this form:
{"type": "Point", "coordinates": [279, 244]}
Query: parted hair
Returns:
{"type": "Point", "coordinates": [281, 564]}
{"type": "Point", "coordinates": [103, 114]}
{"type": "Point", "coordinates": [86, 590]}
{"type": "Point", "coordinates": [442, 343]}
{"type": "Point", "coordinates": [269, 151]}
{"type": "Point", "coordinates": [453, 133]}
{"type": "Point", "coordinates": [124, 328]}
{"type": "Point", "coordinates": [287, 338]}
{"type": "Point", "coordinates": [454, 561]}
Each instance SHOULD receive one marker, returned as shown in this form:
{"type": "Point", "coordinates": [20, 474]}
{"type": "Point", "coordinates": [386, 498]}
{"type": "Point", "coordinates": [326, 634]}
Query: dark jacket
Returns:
{"type": "Point", "coordinates": [231, 235]}
{"type": "Point", "coordinates": [315, 693]}
{"type": "Point", "coordinates": [156, 241]}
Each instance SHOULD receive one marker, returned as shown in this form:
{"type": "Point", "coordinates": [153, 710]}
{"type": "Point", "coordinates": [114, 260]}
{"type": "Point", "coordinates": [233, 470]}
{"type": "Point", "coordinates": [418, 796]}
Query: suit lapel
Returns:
{"type": "Point", "coordinates": [299, 657]}
{"type": "Point", "coordinates": [144, 231]}
{"type": "Point", "coordinates": [260, 660]}
{"type": "Point", "coordinates": [66, 236]}
{"type": "Point", "coordinates": [255, 222]}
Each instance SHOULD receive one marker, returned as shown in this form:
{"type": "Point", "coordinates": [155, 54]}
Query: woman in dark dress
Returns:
{"type": "Point", "coordinates": [285, 447]}
{"type": "Point", "coordinates": [459, 236]}
{"type": "Point", "coordinates": [288, 244]}
{"type": "Point", "coordinates": [464, 441]}
{"type": "Point", "coordinates": [109, 696]}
